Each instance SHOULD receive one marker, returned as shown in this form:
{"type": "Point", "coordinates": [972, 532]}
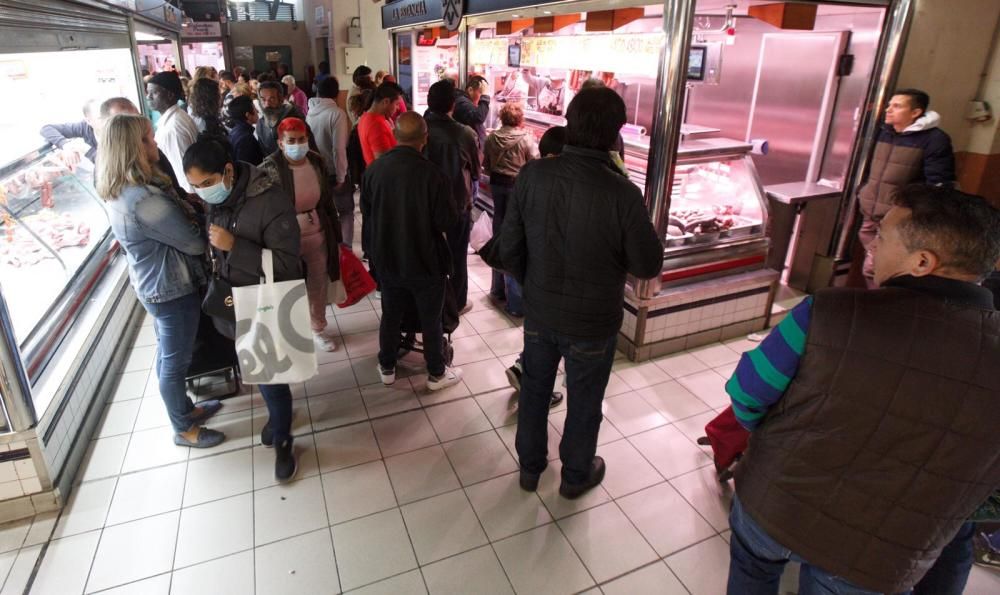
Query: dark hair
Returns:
{"type": "Point", "coordinates": [475, 82]}
{"type": "Point", "coordinates": [594, 118]}
{"type": "Point", "coordinates": [361, 102]}
{"type": "Point", "coordinates": [144, 72]}
{"type": "Point", "coordinates": [387, 91]}
{"type": "Point", "coordinates": [265, 77]}
{"type": "Point", "coordinates": [239, 107]}
{"type": "Point", "coordinates": [328, 88]}
{"type": "Point", "coordinates": [227, 76]}
{"type": "Point", "coordinates": [552, 141]}
{"type": "Point", "coordinates": [360, 72]}
{"type": "Point", "coordinates": [918, 99]}
{"type": "Point", "coordinates": [324, 67]}
{"type": "Point", "coordinates": [271, 85]}
{"type": "Point", "coordinates": [254, 74]}
{"type": "Point", "coordinates": [962, 229]}
{"type": "Point", "coordinates": [441, 96]}
{"type": "Point", "coordinates": [208, 155]}
{"type": "Point", "coordinates": [204, 98]}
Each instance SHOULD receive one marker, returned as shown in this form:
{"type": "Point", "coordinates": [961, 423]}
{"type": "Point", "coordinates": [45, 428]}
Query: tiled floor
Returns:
{"type": "Point", "coordinates": [399, 491]}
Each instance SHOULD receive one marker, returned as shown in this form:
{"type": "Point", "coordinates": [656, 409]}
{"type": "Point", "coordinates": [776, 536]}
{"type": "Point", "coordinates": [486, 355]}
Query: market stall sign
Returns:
{"type": "Point", "coordinates": [199, 30]}
{"type": "Point", "coordinates": [452, 12]}
{"type": "Point", "coordinates": [488, 51]}
{"type": "Point", "coordinates": [633, 53]}
{"type": "Point", "coordinates": [411, 12]}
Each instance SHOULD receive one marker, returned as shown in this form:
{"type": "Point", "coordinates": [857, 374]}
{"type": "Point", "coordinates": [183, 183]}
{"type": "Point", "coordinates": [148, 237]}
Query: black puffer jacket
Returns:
{"type": "Point", "coordinates": [453, 147]}
{"type": "Point", "coordinates": [473, 116]}
{"type": "Point", "coordinates": [575, 227]}
{"type": "Point", "coordinates": [260, 214]}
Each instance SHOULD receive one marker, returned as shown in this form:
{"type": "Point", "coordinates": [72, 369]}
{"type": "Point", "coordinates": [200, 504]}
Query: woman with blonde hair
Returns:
{"type": "Point", "coordinates": [164, 245]}
{"type": "Point", "coordinates": [206, 72]}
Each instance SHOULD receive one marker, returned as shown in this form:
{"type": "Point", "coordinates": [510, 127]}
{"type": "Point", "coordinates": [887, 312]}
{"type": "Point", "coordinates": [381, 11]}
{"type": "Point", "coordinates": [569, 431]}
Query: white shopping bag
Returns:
{"type": "Point", "coordinates": [274, 340]}
{"type": "Point", "coordinates": [482, 231]}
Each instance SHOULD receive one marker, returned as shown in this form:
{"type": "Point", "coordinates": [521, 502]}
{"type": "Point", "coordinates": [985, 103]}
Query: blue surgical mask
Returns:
{"type": "Point", "coordinates": [215, 194]}
{"type": "Point", "coordinates": [296, 152]}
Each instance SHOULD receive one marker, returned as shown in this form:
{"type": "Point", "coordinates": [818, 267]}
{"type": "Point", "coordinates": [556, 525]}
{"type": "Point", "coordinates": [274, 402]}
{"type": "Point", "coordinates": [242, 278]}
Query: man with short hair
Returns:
{"type": "Point", "coordinates": [175, 130]}
{"type": "Point", "coordinates": [226, 83]}
{"type": "Point", "coordinates": [275, 109]}
{"type": "Point", "coordinates": [332, 129]}
{"type": "Point", "coordinates": [374, 126]}
{"type": "Point", "coordinates": [407, 199]}
{"type": "Point", "coordinates": [910, 149]}
{"type": "Point", "coordinates": [874, 414]}
{"type": "Point", "coordinates": [58, 135]}
{"type": "Point", "coordinates": [454, 148]}
{"type": "Point", "coordinates": [472, 106]}
{"type": "Point", "coordinates": [575, 227]}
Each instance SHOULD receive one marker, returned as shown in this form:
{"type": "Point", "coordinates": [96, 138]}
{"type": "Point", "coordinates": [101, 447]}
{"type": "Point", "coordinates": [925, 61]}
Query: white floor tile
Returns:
{"type": "Point", "coordinates": [337, 409]}
{"type": "Point", "coordinates": [66, 565]}
{"type": "Point", "coordinates": [152, 413]}
{"type": "Point", "coordinates": [509, 436]}
{"type": "Point", "coordinates": [304, 565]}
{"type": "Point", "coordinates": [361, 322]}
{"type": "Point", "coordinates": [631, 414]}
{"type": "Point", "coordinates": [331, 378]}
{"type": "Point", "coordinates": [119, 418]}
{"type": "Point", "coordinates": [119, 560]}
{"type": "Point", "coordinates": [506, 342]}
{"type": "Point", "coordinates": [430, 397]}
{"type": "Point", "coordinates": [372, 548]}
{"type": "Point", "coordinates": [239, 430]}
{"type": "Point", "coordinates": [104, 458]}
{"type": "Point", "coordinates": [606, 435]}
{"type": "Point", "coordinates": [707, 495]}
{"type": "Point", "coordinates": [471, 349]}
{"type": "Point", "coordinates": [505, 509]}
{"type": "Point", "coordinates": [381, 400]}
{"type": "Point", "coordinates": [607, 542]}
{"type": "Point", "coordinates": [694, 427]}
{"type": "Point", "coordinates": [408, 583]}
{"type": "Point", "coordinates": [13, 534]}
{"type": "Point", "coordinates": [458, 419]}
{"type": "Point", "coordinates": [345, 447]}
{"type": "Point", "coordinates": [704, 568]}
{"type": "Point", "coordinates": [147, 493]}
{"type": "Point", "coordinates": [485, 376]}
{"type": "Point", "coordinates": [131, 385]}
{"type": "Point", "coordinates": [87, 508]}
{"type": "Point", "coordinates": [680, 364]}
{"type": "Point", "coordinates": [263, 462]}
{"type": "Point", "coordinates": [442, 526]}
{"type": "Point", "coordinates": [21, 570]}
{"type": "Point", "coordinates": [232, 575]}
{"type": "Point", "coordinates": [421, 474]}
{"type": "Point", "coordinates": [361, 344]}
{"type": "Point", "coordinates": [405, 432]}
{"type": "Point", "coordinates": [217, 477]}
{"type": "Point", "coordinates": [153, 448]}
{"type": "Point", "coordinates": [741, 345]}
{"type": "Point", "coordinates": [983, 581]}
{"type": "Point", "coordinates": [627, 470]}
{"type": "Point", "coordinates": [488, 321]}
{"type": "Point", "coordinates": [673, 401]}
{"type": "Point", "coordinates": [500, 407]}
{"type": "Point", "coordinates": [670, 451]}
{"type": "Point", "coordinates": [726, 371]}
{"type": "Point", "coordinates": [141, 358]}
{"type": "Point", "coordinates": [287, 510]}
{"type": "Point", "coordinates": [559, 507]}
{"type": "Point", "coordinates": [715, 355]}
{"type": "Point", "coordinates": [655, 579]}
{"type": "Point", "coordinates": [41, 528]}
{"type": "Point", "coordinates": [156, 585]}
{"type": "Point", "coordinates": [214, 530]}
{"type": "Point", "coordinates": [480, 457]}
{"type": "Point", "coordinates": [357, 491]}
{"type": "Point", "coordinates": [708, 386]}
{"type": "Point", "coordinates": [478, 570]}
{"type": "Point", "coordinates": [543, 548]}
{"type": "Point", "coordinates": [641, 375]}
{"type": "Point", "coordinates": [665, 519]}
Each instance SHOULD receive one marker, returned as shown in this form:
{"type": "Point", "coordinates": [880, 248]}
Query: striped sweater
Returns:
{"type": "Point", "coordinates": [764, 373]}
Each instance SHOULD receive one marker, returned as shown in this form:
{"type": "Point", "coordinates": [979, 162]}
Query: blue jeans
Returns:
{"type": "Point", "coordinates": [757, 562]}
{"type": "Point", "coordinates": [588, 368]}
{"type": "Point", "coordinates": [950, 573]}
{"type": "Point", "coordinates": [176, 325]}
{"type": "Point", "coordinates": [501, 194]}
{"type": "Point", "coordinates": [278, 398]}
{"type": "Point", "coordinates": [397, 295]}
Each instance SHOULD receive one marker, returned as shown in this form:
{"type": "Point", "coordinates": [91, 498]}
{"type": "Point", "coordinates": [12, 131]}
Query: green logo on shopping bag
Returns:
{"type": "Point", "coordinates": [265, 309]}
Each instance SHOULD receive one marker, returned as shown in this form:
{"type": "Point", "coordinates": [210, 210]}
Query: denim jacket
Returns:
{"type": "Point", "coordinates": [165, 251]}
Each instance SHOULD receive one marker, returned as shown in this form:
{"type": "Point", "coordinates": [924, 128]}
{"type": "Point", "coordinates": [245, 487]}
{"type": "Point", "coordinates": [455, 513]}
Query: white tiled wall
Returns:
{"type": "Point", "coordinates": [686, 322]}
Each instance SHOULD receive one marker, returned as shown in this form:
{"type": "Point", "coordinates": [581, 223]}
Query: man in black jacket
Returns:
{"type": "Point", "coordinates": [276, 109]}
{"type": "Point", "coordinates": [472, 106]}
{"type": "Point", "coordinates": [408, 200]}
{"type": "Point", "coordinates": [575, 227]}
{"type": "Point", "coordinates": [453, 148]}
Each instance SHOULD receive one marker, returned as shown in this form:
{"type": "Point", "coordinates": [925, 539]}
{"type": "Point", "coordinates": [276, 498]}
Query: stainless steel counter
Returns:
{"type": "Point", "coordinates": [794, 193]}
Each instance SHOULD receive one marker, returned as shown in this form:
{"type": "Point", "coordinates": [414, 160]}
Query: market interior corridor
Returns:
{"type": "Point", "coordinates": [399, 491]}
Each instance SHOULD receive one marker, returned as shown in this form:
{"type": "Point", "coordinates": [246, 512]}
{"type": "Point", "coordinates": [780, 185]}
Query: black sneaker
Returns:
{"type": "Point", "coordinates": [514, 376]}
{"type": "Point", "coordinates": [267, 436]}
{"type": "Point", "coordinates": [557, 398]}
{"type": "Point", "coordinates": [285, 465]}
{"type": "Point", "coordinates": [572, 492]}
{"type": "Point", "coordinates": [529, 481]}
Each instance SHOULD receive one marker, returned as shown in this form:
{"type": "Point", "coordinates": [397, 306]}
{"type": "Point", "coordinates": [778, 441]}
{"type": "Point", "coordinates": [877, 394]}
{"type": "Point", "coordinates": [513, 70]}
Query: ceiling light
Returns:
{"type": "Point", "coordinates": [515, 16]}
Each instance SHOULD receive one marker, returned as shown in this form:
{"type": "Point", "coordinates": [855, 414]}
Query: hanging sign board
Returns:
{"type": "Point", "coordinates": [634, 53]}
{"type": "Point", "coordinates": [198, 30]}
{"type": "Point", "coordinates": [488, 51]}
{"type": "Point", "coordinates": [452, 12]}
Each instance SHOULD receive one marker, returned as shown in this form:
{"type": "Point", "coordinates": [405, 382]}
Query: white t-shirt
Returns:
{"type": "Point", "coordinates": [175, 132]}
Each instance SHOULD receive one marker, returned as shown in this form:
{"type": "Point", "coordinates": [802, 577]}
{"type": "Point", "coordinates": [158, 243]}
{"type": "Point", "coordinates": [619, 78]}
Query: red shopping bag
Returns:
{"type": "Point", "coordinates": [728, 438]}
{"type": "Point", "coordinates": [357, 282]}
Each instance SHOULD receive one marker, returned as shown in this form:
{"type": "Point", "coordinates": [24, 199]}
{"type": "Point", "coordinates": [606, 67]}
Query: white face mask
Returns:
{"type": "Point", "coordinates": [296, 152]}
{"type": "Point", "coordinates": [215, 194]}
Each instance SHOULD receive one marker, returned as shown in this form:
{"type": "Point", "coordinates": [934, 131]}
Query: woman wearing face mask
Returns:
{"type": "Point", "coordinates": [164, 243]}
{"type": "Point", "coordinates": [249, 212]}
{"type": "Point", "coordinates": [242, 119]}
{"type": "Point", "coordinates": [304, 177]}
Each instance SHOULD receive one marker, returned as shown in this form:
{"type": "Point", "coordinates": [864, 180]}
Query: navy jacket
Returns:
{"type": "Point", "coordinates": [244, 143]}
{"type": "Point", "coordinates": [60, 134]}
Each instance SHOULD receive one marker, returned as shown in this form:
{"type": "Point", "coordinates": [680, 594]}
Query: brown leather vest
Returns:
{"type": "Point", "coordinates": [887, 439]}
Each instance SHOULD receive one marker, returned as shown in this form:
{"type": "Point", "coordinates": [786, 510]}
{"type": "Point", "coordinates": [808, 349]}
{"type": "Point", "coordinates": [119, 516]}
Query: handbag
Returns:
{"type": "Point", "coordinates": [218, 300]}
{"type": "Point", "coordinates": [274, 340]}
{"type": "Point", "coordinates": [357, 282]}
{"type": "Point", "coordinates": [482, 232]}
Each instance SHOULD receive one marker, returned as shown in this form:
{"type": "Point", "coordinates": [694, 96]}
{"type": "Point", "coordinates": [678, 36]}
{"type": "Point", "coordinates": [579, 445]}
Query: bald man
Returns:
{"type": "Point", "coordinates": [408, 201]}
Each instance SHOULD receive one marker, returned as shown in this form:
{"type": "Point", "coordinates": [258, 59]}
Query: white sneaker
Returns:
{"type": "Point", "coordinates": [388, 376]}
{"type": "Point", "coordinates": [325, 342]}
{"type": "Point", "coordinates": [451, 377]}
